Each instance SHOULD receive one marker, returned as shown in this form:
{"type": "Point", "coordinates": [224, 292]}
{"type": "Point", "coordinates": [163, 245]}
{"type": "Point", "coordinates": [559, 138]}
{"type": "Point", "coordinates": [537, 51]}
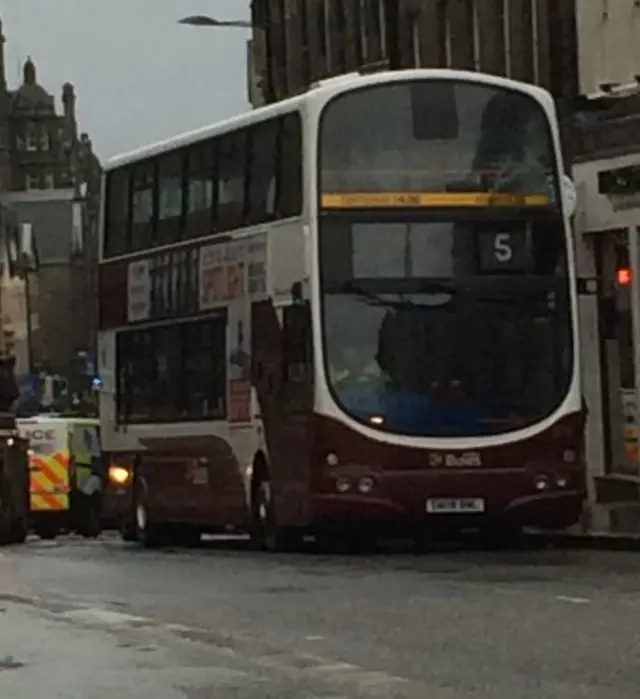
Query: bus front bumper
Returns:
{"type": "Point", "coordinates": [460, 501]}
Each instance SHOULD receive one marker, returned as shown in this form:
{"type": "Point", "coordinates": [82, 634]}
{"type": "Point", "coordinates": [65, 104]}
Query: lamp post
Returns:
{"type": "Point", "coordinates": [206, 21]}
{"type": "Point", "coordinates": [256, 52]}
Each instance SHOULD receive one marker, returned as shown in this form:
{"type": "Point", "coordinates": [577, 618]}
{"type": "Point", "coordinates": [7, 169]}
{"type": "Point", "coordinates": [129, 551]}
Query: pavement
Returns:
{"type": "Point", "coordinates": [94, 620]}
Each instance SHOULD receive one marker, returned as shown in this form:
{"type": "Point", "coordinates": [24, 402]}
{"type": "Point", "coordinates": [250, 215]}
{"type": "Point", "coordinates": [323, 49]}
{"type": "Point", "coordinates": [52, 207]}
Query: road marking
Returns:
{"type": "Point", "coordinates": [336, 667]}
{"type": "Point", "coordinates": [573, 600]}
{"type": "Point", "coordinates": [105, 616]}
{"type": "Point", "coordinates": [333, 672]}
{"type": "Point", "coordinates": [314, 638]}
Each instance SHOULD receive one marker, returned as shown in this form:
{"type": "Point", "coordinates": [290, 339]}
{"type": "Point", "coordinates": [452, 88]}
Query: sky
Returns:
{"type": "Point", "coordinates": [139, 76]}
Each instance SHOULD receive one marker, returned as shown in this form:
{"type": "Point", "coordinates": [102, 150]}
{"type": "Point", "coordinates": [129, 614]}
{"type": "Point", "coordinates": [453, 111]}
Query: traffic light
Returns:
{"type": "Point", "coordinates": [623, 276]}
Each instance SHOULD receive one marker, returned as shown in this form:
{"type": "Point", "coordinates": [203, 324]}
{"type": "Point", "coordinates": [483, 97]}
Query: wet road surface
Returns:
{"type": "Point", "coordinates": [225, 622]}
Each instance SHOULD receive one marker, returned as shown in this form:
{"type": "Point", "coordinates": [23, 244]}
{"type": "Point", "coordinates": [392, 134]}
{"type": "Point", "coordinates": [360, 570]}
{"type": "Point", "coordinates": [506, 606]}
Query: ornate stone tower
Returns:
{"type": "Point", "coordinates": [5, 108]}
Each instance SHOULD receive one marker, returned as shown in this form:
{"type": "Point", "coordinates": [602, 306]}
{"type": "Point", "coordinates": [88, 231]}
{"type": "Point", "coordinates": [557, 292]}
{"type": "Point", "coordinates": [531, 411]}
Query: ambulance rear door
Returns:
{"type": "Point", "coordinates": [48, 464]}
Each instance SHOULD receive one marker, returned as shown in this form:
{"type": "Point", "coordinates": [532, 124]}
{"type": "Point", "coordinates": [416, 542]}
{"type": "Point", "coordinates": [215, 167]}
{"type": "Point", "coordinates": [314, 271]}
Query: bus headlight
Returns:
{"type": "Point", "coordinates": [119, 475]}
{"type": "Point", "coordinates": [365, 484]}
{"type": "Point", "coordinates": [542, 482]}
{"type": "Point", "coordinates": [343, 484]}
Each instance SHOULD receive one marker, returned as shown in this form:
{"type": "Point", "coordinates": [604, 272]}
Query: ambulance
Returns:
{"type": "Point", "coordinates": [66, 480]}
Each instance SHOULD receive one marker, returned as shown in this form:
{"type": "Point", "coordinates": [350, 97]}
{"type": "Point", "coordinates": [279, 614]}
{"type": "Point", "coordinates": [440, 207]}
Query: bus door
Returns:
{"type": "Point", "coordinates": [282, 376]}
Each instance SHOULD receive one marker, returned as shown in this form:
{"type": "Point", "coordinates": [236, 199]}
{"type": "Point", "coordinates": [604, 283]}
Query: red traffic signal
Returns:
{"type": "Point", "coordinates": [623, 276]}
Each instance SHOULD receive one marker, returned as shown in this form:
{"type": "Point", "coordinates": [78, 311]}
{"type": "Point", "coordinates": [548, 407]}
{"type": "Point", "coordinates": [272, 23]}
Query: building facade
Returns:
{"type": "Point", "coordinates": [301, 41]}
{"type": "Point", "coordinates": [49, 186]}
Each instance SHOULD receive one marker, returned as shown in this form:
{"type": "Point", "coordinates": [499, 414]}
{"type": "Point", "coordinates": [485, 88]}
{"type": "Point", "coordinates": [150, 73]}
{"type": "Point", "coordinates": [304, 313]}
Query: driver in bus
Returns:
{"type": "Point", "coordinates": [357, 379]}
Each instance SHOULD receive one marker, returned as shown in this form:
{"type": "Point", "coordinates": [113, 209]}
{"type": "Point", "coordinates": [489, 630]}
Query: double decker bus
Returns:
{"type": "Point", "coordinates": [350, 312]}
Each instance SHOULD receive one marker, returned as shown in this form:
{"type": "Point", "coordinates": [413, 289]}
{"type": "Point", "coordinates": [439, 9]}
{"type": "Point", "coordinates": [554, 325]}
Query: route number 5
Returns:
{"type": "Point", "coordinates": [502, 249]}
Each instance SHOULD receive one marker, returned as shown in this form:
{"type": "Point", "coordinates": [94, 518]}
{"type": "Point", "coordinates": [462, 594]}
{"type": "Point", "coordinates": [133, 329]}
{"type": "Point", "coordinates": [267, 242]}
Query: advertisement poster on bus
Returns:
{"type": "Point", "coordinates": [232, 275]}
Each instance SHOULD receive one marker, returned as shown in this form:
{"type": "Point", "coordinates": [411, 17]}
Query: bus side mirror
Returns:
{"type": "Point", "coordinates": [569, 196]}
{"type": "Point", "coordinates": [296, 323]}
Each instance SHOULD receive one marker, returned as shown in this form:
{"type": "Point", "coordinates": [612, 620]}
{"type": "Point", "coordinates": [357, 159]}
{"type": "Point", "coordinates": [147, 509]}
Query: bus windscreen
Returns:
{"type": "Point", "coordinates": [446, 328]}
{"type": "Point", "coordinates": [436, 143]}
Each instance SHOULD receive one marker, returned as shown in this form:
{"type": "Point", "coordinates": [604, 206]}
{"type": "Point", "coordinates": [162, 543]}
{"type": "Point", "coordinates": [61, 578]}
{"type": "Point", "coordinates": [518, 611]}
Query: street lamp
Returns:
{"type": "Point", "coordinates": [255, 47]}
{"type": "Point", "coordinates": [204, 21]}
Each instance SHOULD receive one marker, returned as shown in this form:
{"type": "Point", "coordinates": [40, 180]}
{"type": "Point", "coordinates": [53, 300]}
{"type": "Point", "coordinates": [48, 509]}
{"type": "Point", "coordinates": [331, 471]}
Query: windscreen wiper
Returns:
{"type": "Point", "coordinates": [378, 298]}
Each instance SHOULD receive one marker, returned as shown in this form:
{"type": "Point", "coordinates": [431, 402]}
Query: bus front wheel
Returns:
{"type": "Point", "coordinates": [266, 534]}
{"type": "Point", "coordinates": [148, 533]}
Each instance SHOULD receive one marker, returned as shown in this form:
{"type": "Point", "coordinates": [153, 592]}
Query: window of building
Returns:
{"type": "Point", "coordinates": [170, 196]}
{"type": "Point", "coordinates": [49, 180]}
{"type": "Point", "coordinates": [45, 141]}
{"type": "Point", "coordinates": [305, 29]}
{"type": "Point", "coordinates": [340, 34]}
{"type": "Point", "coordinates": [232, 169]}
{"type": "Point", "coordinates": [323, 46]}
{"type": "Point", "coordinates": [142, 205]}
{"type": "Point", "coordinates": [359, 39]}
{"type": "Point", "coordinates": [263, 163]}
{"type": "Point", "coordinates": [173, 372]}
{"type": "Point", "coordinates": [32, 182]}
{"type": "Point", "coordinates": [31, 137]}
{"type": "Point", "coordinates": [117, 219]}
{"type": "Point", "coordinates": [201, 162]}
{"type": "Point", "coordinates": [380, 22]}
{"type": "Point", "coordinates": [289, 196]}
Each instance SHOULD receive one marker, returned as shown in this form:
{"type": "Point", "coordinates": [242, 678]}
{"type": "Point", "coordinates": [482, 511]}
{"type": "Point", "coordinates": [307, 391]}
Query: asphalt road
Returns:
{"type": "Point", "coordinates": [223, 622]}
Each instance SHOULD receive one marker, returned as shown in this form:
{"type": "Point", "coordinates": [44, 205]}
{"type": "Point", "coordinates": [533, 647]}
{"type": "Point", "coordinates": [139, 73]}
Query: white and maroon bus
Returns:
{"type": "Point", "coordinates": [350, 312]}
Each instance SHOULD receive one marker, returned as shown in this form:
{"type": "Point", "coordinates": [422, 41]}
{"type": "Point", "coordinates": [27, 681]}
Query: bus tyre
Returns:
{"type": "Point", "coordinates": [19, 531]}
{"type": "Point", "coordinates": [90, 525]}
{"type": "Point", "coordinates": [128, 531]}
{"type": "Point", "coordinates": [47, 531]}
{"type": "Point", "coordinates": [265, 532]}
{"type": "Point", "coordinates": [148, 533]}
{"type": "Point", "coordinates": [186, 536]}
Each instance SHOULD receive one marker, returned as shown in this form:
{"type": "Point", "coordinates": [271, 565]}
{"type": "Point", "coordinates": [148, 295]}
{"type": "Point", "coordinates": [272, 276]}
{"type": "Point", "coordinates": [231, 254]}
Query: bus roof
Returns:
{"type": "Point", "coordinates": [322, 90]}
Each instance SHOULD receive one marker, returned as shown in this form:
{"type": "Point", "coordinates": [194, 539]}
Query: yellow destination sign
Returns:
{"type": "Point", "coordinates": [382, 200]}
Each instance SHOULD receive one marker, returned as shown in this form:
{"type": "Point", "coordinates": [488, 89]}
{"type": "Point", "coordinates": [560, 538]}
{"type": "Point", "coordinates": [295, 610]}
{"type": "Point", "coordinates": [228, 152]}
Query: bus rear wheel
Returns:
{"type": "Point", "coordinates": [266, 534]}
{"type": "Point", "coordinates": [149, 534]}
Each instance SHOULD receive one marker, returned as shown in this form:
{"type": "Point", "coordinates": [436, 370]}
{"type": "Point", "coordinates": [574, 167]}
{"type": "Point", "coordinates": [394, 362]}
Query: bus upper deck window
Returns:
{"type": "Point", "coordinates": [434, 111]}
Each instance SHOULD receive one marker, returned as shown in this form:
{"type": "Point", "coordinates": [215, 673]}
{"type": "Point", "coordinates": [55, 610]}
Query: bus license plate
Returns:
{"type": "Point", "coordinates": [442, 506]}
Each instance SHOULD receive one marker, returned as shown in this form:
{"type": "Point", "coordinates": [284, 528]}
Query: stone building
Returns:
{"type": "Point", "coordinates": [301, 41]}
{"type": "Point", "coordinates": [49, 185]}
